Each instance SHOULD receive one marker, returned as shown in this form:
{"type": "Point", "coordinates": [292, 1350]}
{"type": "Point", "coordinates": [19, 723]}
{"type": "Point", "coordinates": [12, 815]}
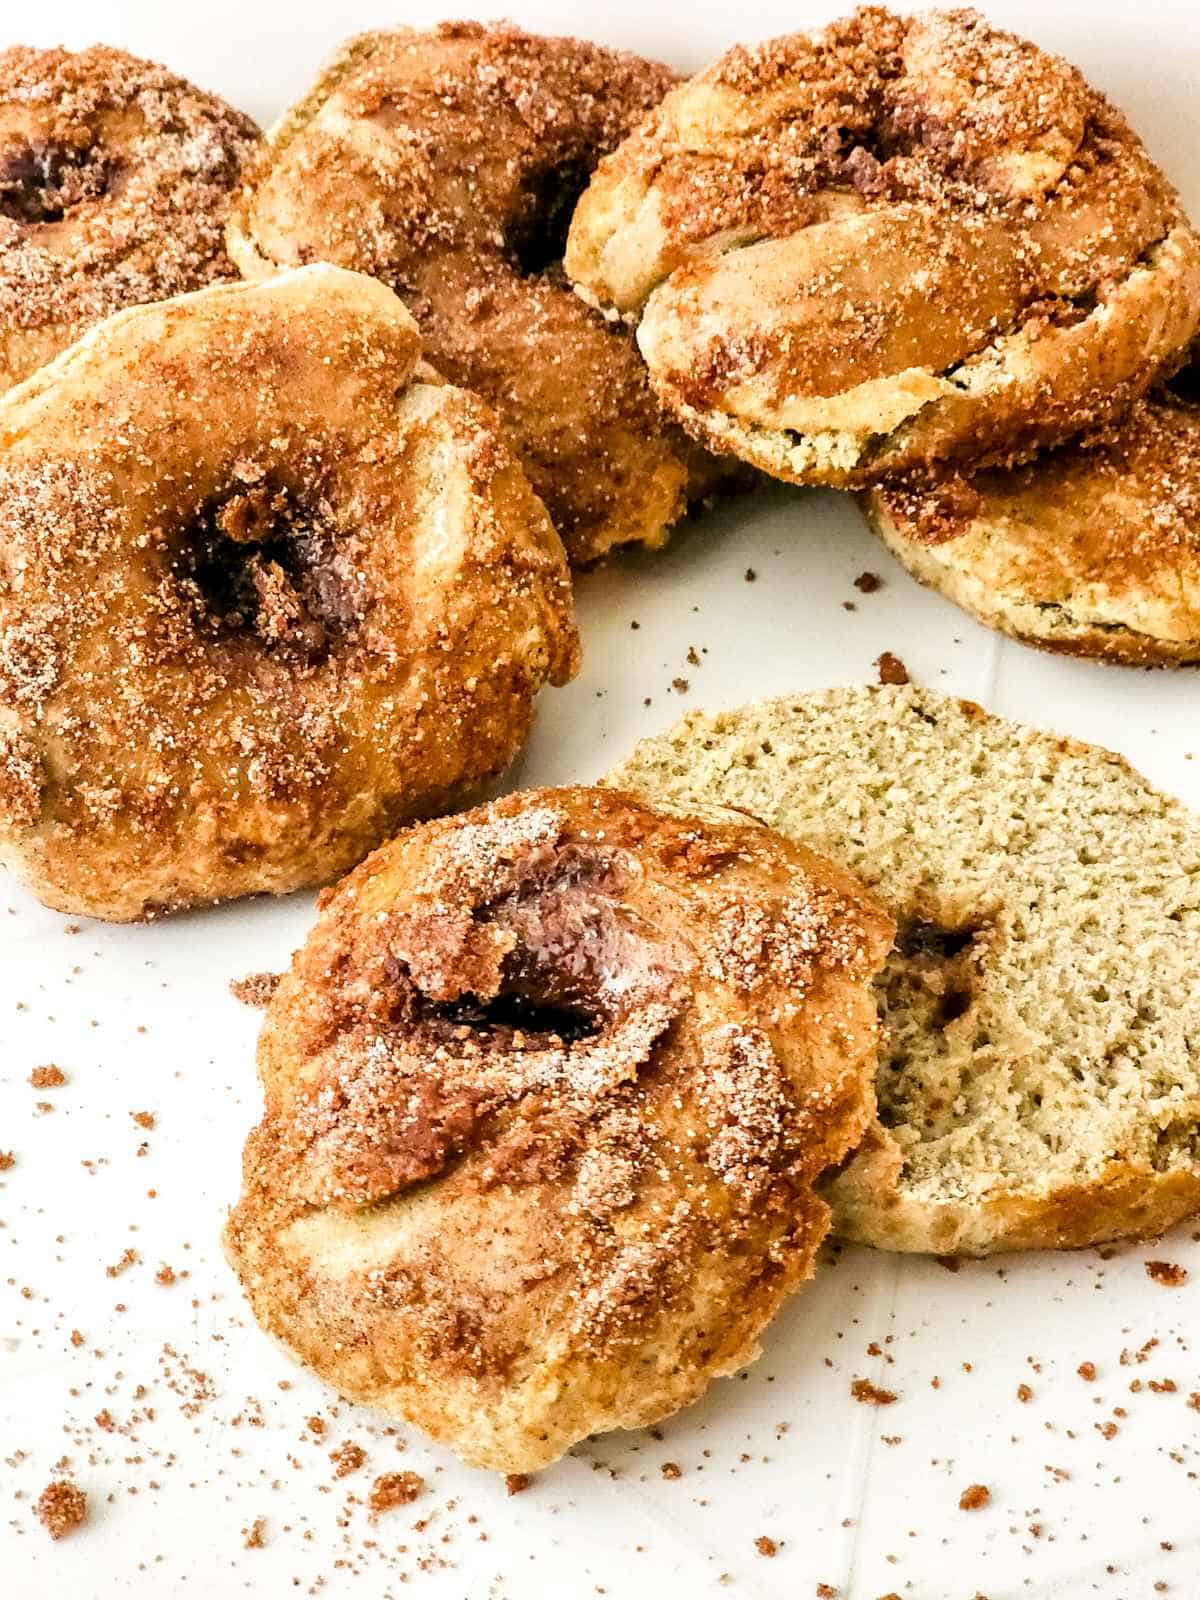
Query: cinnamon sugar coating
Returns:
{"type": "Point", "coordinates": [116, 179]}
{"type": "Point", "coordinates": [547, 1091]}
{"type": "Point", "coordinates": [896, 241]}
{"type": "Point", "coordinates": [263, 598]}
{"type": "Point", "coordinates": [1092, 549]}
{"type": "Point", "coordinates": [447, 163]}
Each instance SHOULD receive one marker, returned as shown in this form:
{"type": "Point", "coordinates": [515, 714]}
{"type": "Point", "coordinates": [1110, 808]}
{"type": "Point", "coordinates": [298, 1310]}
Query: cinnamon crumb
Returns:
{"type": "Point", "coordinates": [165, 1275]}
{"type": "Point", "coordinates": [144, 1119]}
{"type": "Point", "coordinates": [48, 1077]}
{"type": "Point", "coordinates": [974, 1498]}
{"type": "Point", "coordinates": [867, 1394]}
{"type": "Point", "coordinates": [393, 1489]}
{"type": "Point", "coordinates": [347, 1458]}
{"type": "Point", "coordinates": [256, 988]}
{"type": "Point", "coordinates": [128, 1259]}
{"type": "Point", "coordinates": [891, 669]}
{"type": "Point", "coordinates": [766, 1546]}
{"type": "Point", "coordinates": [517, 1482]}
{"type": "Point", "coordinates": [7, 1160]}
{"type": "Point", "coordinates": [1087, 1371]}
{"type": "Point", "coordinates": [62, 1507]}
{"type": "Point", "coordinates": [253, 1536]}
{"type": "Point", "coordinates": [1167, 1273]}
{"type": "Point", "coordinates": [868, 582]}
{"type": "Point", "coordinates": [671, 1469]}
{"type": "Point", "coordinates": [1024, 1393]}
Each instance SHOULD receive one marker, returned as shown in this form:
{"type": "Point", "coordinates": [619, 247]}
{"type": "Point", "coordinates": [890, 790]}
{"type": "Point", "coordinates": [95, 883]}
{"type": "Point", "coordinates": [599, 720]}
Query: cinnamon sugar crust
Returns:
{"type": "Point", "coordinates": [896, 241]}
{"type": "Point", "coordinates": [1091, 550]}
{"type": "Point", "coordinates": [263, 598]}
{"type": "Point", "coordinates": [116, 179]}
{"type": "Point", "coordinates": [447, 163]}
{"type": "Point", "coordinates": [547, 1091]}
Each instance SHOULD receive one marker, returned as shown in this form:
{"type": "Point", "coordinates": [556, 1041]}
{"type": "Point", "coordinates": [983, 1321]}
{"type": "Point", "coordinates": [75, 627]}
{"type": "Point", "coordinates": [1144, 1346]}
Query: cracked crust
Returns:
{"type": "Point", "coordinates": [446, 163]}
{"type": "Point", "coordinates": [263, 598]}
{"type": "Point", "coordinates": [547, 1092]}
{"type": "Point", "coordinates": [897, 241]}
{"type": "Point", "coordinates": [116, 181]}
{"type": "Point", "coordinates": [1091, 550]}
{"type": "Point", "coordinates": [1039, 1082]}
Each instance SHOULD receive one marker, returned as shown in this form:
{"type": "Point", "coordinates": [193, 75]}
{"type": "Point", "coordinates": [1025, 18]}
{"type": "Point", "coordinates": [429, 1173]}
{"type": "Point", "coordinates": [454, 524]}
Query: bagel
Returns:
{"type": "Point", "coordinates": [446, 163]}
{"type": "Point", "coordinates": [1091, 550]}
{"type": "Point", "coordinates": [115, 184]}
{"type": "Point", "coordinates": [546, 1093]}
{"type": "Point", "coordinates": [1040, 1081]}
{"type": "Point", "coordinates": [897, 241]}
{"type": "Point", "coordinates": [263, 597]}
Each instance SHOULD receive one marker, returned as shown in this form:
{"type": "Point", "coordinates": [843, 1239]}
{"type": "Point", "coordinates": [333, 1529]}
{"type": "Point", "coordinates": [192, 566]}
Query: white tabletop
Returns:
{"type": "Point", "coordinates": [862, 1498]}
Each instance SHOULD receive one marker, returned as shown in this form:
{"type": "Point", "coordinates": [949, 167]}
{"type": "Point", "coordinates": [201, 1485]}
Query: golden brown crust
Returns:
{"type": "Point", "coordinates": [446, 164]}
{"type": "Point", "coordinates": [1091, 550]}
{"type": "Point", "coordinates": [262, 597]}
{"type": "Point", "coordinates": [547, 1091]}
{"type": "Point", "coordinates": [896, 241]}
{"type": "Point", "coordinates": [116, 179]}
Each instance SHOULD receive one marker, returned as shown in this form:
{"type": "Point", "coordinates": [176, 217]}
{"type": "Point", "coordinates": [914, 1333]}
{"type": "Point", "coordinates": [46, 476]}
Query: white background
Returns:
{"type": "Point", "coordinates": [141, 1019]}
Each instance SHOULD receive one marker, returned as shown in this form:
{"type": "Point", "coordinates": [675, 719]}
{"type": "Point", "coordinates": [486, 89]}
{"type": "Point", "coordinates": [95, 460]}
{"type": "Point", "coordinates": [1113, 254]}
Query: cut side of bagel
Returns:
{"type": "Point", "coordinates": [1039, 1086]}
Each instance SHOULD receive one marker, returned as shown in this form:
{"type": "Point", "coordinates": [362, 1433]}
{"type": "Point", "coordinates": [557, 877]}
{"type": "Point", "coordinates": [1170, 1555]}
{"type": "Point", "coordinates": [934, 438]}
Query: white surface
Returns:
{"type": "Point", "coordinates": [142, 1019]}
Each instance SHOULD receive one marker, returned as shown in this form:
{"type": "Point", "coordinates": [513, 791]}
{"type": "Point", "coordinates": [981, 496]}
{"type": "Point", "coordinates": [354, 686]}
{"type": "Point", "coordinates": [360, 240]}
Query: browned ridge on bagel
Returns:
{"type": "Point", "coordinates": [895, 241]}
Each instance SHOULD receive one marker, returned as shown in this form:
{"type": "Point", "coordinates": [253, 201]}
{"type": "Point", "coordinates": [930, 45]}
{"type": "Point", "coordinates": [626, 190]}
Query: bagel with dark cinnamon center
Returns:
{"type": "Point", "coordinates": [547, 1091]}
{"type": "Point", "coordinates": [263, 598]}
{"type": "Point", "coordinates": [896, 241]}
{"type": "Point", "coordinates": [447, 163]}
{"type": "Point", "coordinates": [116, 179]}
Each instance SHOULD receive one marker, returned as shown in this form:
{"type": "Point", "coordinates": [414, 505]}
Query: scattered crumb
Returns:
{"type": "Point", "coordinates": [62, 1507]}
{"type": "Point", "coordinates": [253, 1536]}
{"type": "Point", "coordinates": [680, 685]}
{"type": "Point", "coordinates": [766, 1546]}
{"type": "Point", "coordinates": [392, 1489]}
{"type": "Point", "coordinates": [868, 582]}
{"type": "Point", "coordinates": [671, 1469]}
{"type": "Point", "coordinates": [347, 1458]}
{"type": "Point", "coordinates": [165, 1275]}
{"type": "Point", "coordinates": [48, 1077]}
{"type": "Point", "coordinates": [144, 1119]}
{"type": "Point", "coordinates": [891, 669]}
{"type": "Point", "coordinates": [517, 1482]}
{"type": "Point", "coordinates": [867, 1394]}
{"type": "Point", "coordinates": [128, 1259]}
{"type": "Point", "coordinates": [1024, 1393]}
{"type": "Point", "coordinates": [974, 1498]}
{"type": "Point", "coordinates": [1167, 1273]}
{"type": "Point", "coordinates": [7, 1160]}
{"type": "Point", "coordinates": [256, 988]}
{"type": "Point", "coordinates": [1087, 1371]}
{"type": "Point", "coordinates": [751, 575]}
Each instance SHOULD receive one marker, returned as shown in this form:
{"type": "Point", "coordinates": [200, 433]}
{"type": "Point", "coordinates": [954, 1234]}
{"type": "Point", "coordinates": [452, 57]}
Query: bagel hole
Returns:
{"type": "Point", "coordinates": [39, 183]}
{"type": "Point", "coordinates": [1185, 385]}
{"type": "Point", "coordinates": [515, 1012]}
{"type": "Point", "coordinates": [260, 565]}
{"type": "Point", "coordinates": [538, 236]}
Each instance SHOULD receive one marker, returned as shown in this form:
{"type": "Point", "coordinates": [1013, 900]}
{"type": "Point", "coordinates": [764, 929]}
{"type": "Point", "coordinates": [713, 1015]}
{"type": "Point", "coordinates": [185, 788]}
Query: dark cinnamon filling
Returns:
{"type": "Point", "coordinates": [39, 183]}
{"type": "Point", "coordinates": [258, 564]}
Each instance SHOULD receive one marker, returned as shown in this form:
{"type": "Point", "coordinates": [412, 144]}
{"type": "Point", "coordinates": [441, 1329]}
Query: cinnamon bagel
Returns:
{"type": "Point", "coordinates": [115, 184]}
{"type": "Point", "coordinates": [446, 163]}
{"type": "Point", "coordinates": [1091, 550]}
{"type": "Point", "coordinates": [263, 597]}
{"type": "Point", "coordinates": [899, 240]}
{"type": "Point", "coordinates": [547, 1091]}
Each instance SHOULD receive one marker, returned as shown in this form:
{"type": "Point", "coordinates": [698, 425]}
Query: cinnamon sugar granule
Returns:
{"type": "Point", "coordinates": [393, 1489]}
{"type": "Point", "coordinates": [974, 1498]}
{"type": "Point", "coordinates": [867, 1394]}
{"type": "Point", "coordinates": [48, 1077]}
{"type": "Point", "coordinates": [517, 1482]}
{"type": "Point", "coordinates": [1087, 1371]}
{"type": "Point", "coordinates": [1193, 1400]}
{"type": "Point", "coordinates": [347, 1458]}
{"type": "Point", "coordinates": [671, 1469]}
{"type": "Point", "coordinates": [253, 1537]}
{"type": "Point", "coordinates": [1108, 1430]}
{"type": "Point", "coordinates": [62, 1507]}
{"type": "Point", "coordinates": [1167, 1273]}
{"type": "Point", "coordinates": [766, 1546]}
{"type": "Point", "coordinates": [7, 1160]}
{"type": "Point", "coordinates": [144, 1119]}
{"type": "Point", "coordinates": [891, 669]}
{"type": "Point", "coordinates": [317, 1426]}
{"type": "Point", "coordinates": [1024, 1393]}
{"type": "Point", "coordinates": [827, 1591]}
{"type": "Point", "coordinates": [256, 988]}
{"type": "Point", "coordinates": [128, 1259]}
{"type": "Point", "coordinates": [165, 1275]}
